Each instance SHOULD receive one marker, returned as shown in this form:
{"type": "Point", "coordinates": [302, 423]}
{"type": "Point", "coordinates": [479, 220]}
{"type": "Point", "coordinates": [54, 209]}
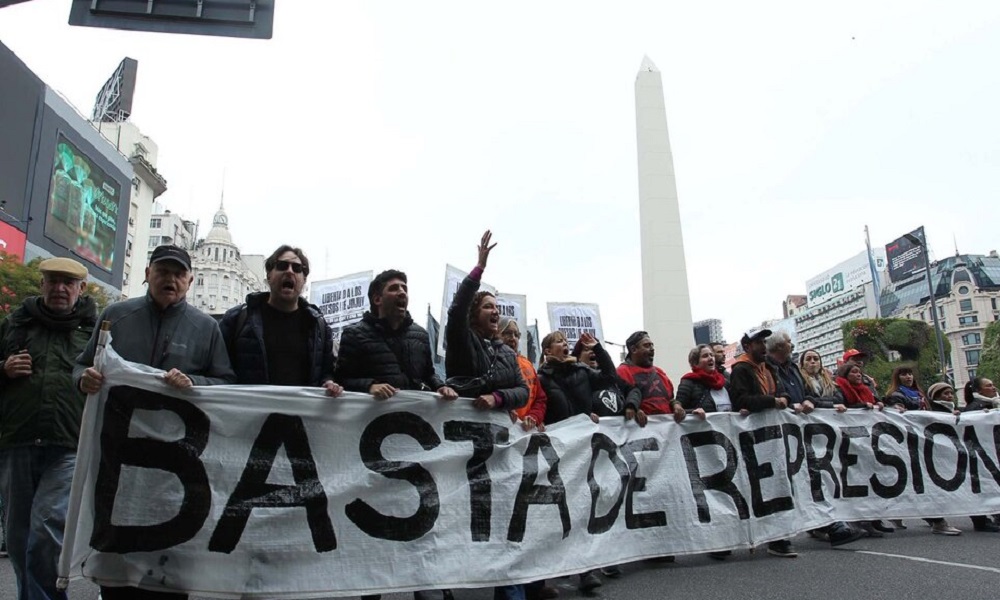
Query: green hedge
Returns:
{"type": "Point", "coordinates": [913, 340]}
{"type": "Point", "coordinates": [989, 359]}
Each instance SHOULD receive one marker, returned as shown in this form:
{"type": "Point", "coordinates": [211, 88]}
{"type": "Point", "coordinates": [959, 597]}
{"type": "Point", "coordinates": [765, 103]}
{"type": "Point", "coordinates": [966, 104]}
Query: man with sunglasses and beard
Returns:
{"type": "Point", "coordinates": [276, 337]}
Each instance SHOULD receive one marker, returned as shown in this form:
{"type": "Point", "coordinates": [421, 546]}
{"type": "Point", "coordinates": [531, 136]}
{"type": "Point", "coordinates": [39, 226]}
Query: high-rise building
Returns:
{"type": "Point", "coordinates": [222, 275]}
{"type": "Point", "coordinates": [844, 293]}
{"type": "Point", "coordinates": [967, 291]}
{"type": "Point", "coordinates": [708, 331]}
{"type": "Point", "coordinates": [666, 302]}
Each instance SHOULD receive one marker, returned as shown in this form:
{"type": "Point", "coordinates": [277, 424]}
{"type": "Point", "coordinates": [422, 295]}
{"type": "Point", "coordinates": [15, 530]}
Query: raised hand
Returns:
{"type": "Point", "coordinates": [484, 248]}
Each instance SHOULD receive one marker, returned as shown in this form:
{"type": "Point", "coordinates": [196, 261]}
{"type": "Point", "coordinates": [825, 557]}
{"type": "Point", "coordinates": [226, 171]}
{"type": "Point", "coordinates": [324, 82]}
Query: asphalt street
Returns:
{"type": "Point", "coordinates": [908, 564]}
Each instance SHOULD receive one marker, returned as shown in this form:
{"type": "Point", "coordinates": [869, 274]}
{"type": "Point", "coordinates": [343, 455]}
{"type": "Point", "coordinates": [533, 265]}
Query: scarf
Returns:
{"type": "Point", "coordinates": [910, 392]}
{"type": "Point", "coordinates": [820, 385]}
{"type": "Point", "coordinates": [566, 360]}
{"type": "Point", "coordinates": [855, 394]}
{"type": "Point", "coordinates": [764, 378]}
{"type": "Point", "coordinates": [994, 401]}
{"type": "Point", "coordinates": [711, 379]}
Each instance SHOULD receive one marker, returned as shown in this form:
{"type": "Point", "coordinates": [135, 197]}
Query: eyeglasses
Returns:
{"type": "Point", "coordinates": [282, 265]}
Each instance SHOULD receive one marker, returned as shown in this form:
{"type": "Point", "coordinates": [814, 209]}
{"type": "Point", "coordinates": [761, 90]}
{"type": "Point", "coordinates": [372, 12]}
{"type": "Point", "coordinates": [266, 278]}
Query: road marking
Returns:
{"type": "Point", "coordinates": [928, 560]}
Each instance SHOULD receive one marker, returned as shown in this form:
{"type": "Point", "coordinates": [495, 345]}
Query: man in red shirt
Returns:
{"type": "Point", "coordinates": [657, 390]}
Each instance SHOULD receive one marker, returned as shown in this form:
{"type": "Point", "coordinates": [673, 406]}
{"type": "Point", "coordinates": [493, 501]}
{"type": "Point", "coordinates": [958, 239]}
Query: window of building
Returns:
{"type": "Point", "coordinates": [963, 289]}
{"type": "Point", "coordinates": [154, 241]}
{"type": "Point", "coordinates": [972, 374]}
{"type": "Point", "coordinates": [201, 279]}
{"type": "Point", "coordinates": [216, 253]}
{"type": "Point", "coordinates": [968, 320]}
{"type": "Point", "coordinates": [972, 357]}
{"type": "Point", "coordinates": [965, 305]}
{"type": "Point", "coordinates": [993, 301]}
{"type": "Point", "coordinates": [154, 223]}
{"type": "Point", "coordinates": [971, 338]}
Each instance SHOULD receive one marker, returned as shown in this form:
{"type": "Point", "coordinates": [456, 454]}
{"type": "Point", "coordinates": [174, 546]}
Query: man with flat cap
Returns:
{"type": "Point", "coordinates": [161, 330]}
{"type": "Point", "coordinates": [40, 420]}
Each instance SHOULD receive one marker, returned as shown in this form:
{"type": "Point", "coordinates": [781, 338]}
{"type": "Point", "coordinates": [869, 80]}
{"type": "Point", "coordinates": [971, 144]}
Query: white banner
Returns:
{"type": "Point", "coordinates": [270, 492]}
{"type": "Point", "coordinates": [574, 319]}
{"type": "Point", "coordinates": [515, 306]}
{"type": "Point", "coordinates": [453, 277]}
{"type": "Point", "coordinates": [343, 301]}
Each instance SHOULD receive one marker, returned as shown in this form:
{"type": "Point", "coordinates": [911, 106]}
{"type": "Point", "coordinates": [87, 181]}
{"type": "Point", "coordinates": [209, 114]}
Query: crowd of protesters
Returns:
{"type": "Point", "coordinates": [48, 348]}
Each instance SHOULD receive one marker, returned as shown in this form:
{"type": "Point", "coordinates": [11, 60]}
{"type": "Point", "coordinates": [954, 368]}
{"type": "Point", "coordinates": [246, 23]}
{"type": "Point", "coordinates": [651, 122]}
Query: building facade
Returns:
{"type": "Point", "coordinates": [967, 292]}
{"type": "Point", "coordinates": [819, 327]}
{"type": "Point", "coordinates": [708, 331]}
{"type": "Point", "coordinates": [222, 275]}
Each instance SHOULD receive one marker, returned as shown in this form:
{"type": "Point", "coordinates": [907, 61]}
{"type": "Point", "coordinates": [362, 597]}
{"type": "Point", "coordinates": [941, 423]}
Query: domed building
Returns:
{"type": "Point", "coordinates": [222, 275]}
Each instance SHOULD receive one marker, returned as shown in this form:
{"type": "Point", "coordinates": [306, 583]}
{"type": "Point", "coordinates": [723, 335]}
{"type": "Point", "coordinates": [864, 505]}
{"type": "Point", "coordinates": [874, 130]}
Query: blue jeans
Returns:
{"type": "Point", "coordinates": [35, 483]}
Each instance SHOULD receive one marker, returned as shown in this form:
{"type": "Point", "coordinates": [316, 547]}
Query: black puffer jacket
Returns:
{"type": "Point", "coordinates": [693, 394]}
{"type": "Point", "coordinates": [898, 397]}
{"type": "Point", "coordinates": [371, 352]}
{"type": "Point", "coordinates": [472, 356]}
{"type": "Point", "coordinates": [246, 347]}
{"type": "Point", "coordinates": [574, 388]}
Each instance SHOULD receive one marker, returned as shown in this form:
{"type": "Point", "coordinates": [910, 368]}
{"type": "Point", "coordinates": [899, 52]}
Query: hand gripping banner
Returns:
{"type": "Point", "coordinates": [260, 491]}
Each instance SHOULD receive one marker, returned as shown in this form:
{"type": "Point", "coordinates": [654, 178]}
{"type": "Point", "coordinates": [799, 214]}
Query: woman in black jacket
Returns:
{"type": "Point", "coordinates": [571, 385]}
{"type": "Point", "coordinates": [478, 364]}
{"type": "Point", "coordinates": [704, 389]}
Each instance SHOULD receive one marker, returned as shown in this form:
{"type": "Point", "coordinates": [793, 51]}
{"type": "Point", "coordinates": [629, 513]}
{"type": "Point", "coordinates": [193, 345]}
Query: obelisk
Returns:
{"type": "Point", "coordinates": [666, 303]}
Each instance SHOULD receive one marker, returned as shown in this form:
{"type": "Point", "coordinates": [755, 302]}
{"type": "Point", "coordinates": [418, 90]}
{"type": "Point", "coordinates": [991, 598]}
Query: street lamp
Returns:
{"type": "Point", "coordinates": [921, 240]}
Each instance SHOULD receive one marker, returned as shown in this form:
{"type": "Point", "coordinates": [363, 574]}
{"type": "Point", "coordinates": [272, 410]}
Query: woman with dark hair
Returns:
{"type": "Point", "coordinates": [851, 389]}
{"type": "Point", "coordinates": [478, 364]}
{"type": "Point", "coordinates": [981, 394]}
{"type": "Point", "coordinates": [904, 392]}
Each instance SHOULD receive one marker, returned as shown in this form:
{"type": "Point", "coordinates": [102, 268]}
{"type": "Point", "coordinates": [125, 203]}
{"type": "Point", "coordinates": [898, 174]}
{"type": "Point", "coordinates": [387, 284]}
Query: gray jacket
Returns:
{"type": "Point", "coordinates": [180, 337]}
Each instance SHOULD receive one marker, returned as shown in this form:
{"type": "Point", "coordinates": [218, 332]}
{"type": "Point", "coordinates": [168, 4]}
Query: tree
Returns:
{"type": "Point", "coordinates": [989, 358]}
{"type": "Point", "coordinates": [913, 340]}
{"type": "Point", "coordinates": [22, 280]}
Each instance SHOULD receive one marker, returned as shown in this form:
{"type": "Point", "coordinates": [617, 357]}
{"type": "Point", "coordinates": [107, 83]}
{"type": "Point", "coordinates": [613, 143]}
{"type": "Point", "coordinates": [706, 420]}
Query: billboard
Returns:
{"type": "Point", "coordinates": [82, 211]}
{"type": "Point", "coordinates": [906, 255]}
{"type": "Point", "coordinates": [845, 277]}
{"type": "Point", "coordinates": [114, 102]}
{"type": "Point", "coordinates": [12, 241]}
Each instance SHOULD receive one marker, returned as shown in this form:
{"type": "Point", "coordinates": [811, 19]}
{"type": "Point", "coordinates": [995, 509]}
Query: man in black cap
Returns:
{"type": "Point", "coordinates": [40, 420]}
{"type": "Point", "coordinates": [161, 330]}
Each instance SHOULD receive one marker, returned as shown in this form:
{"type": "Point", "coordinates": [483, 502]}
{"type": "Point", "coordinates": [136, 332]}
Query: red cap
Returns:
{"type": "Point", "coordinates": [852, 353]}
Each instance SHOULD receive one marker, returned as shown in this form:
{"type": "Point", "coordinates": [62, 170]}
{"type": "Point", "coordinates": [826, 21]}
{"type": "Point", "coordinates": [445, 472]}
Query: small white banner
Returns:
{"type": "Point", "coordinates": [271, 492]}
{"type": "Point", "coordinates": [574, 319]}
{"type": "Point", "coordinates": [343, 301]}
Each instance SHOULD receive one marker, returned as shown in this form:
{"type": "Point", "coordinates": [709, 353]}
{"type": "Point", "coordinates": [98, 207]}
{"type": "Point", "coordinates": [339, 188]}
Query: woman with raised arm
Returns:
{"type": "Point", "coordinates": [478, 364]}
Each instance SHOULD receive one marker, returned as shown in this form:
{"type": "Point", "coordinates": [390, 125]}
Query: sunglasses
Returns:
{"type": "Point", "coordinates": [282, 265]}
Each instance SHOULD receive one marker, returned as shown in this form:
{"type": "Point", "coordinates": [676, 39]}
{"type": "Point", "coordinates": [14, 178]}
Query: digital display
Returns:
{"type": "Point", "coordinates": [82, 212]}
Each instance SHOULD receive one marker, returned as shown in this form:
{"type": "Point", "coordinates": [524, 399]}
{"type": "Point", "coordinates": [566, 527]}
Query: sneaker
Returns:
{"type": "Point", "coordinates": [589, 581]}
{"type": "Point", "coordinates": [942, 527]}
{"type": "Point", "coordinates": [819, 534]}
{"type": "Point", "coordinates": [841, 534]}
{"type": "Point", "coordinates": [612, 572]}
{"type": "Point", "coordinates": [987, 526]}
{"type": "Point", "coordinates": [868, 530]}
{"type": "Point", "coordinates": [782, 548]}
{"type": "Point", "coordinates": [897, 523]}
{"type": "Point", "coordinates": [882, 526]}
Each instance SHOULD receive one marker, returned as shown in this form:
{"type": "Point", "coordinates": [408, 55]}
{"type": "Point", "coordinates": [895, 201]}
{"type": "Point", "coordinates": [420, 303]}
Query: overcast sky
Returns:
{"type": "Point", "coordinates": [391, 134]}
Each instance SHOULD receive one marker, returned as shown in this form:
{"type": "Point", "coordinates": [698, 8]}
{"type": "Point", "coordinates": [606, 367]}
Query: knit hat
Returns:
{"type": "Point", "coordinates": [936, 389]}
